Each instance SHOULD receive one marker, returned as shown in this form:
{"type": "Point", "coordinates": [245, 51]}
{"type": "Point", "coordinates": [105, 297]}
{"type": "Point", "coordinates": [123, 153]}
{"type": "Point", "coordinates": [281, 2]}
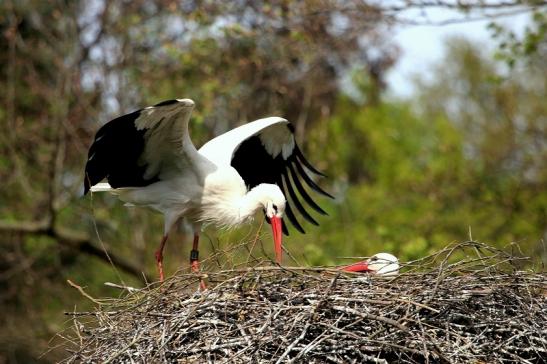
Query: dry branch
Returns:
{"type": "Point", "coordinates": [73, 240]}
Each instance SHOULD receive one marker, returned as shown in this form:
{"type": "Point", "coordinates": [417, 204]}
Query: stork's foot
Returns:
{"type": "Point", "coordinates": [194, 264]}
{"type": "Point", "coordinates": [159, 264]}
{"type": "Point", "coordinates": [159, 257]}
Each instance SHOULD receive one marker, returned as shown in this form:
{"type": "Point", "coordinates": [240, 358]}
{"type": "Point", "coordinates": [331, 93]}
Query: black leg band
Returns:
{"type": "Point", "coordinates": [194, 255]}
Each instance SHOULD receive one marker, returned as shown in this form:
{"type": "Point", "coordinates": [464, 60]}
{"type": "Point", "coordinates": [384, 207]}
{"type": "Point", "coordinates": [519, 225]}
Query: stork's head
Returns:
{"type": "Point", "coordinates": [274, 205]}
{"type": "Point", "coordinates": [272, 201]}
{"type": "Point", "coordinates": [382, 264]}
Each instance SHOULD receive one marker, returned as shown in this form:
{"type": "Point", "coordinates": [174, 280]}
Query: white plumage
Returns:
{"type": "Point", "coordinates": [148, 159]}
{"type": "Point", "coordinates": [273, 136]}
{"type": "Point", "coordinates": [383, 264]}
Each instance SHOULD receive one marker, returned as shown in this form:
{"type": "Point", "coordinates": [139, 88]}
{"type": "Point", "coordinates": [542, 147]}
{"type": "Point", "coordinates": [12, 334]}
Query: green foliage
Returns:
{"type": "Point", "coordinates": [463, 161]}
{"type": "Point", "coordinates": [466, 153]}
{"type": "Point", "coordinates": [533, 42]}
{"type": "Point", "coordinates": [398, 182]}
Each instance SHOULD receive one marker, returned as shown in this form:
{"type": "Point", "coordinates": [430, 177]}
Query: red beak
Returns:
{"type": "Point", "coordinates": [356, 267]}
{"type": "Point", "coordinates": [277, 236]}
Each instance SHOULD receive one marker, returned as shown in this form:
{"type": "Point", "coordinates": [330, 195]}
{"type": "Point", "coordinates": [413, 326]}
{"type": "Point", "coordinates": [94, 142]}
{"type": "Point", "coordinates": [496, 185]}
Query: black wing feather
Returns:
{"type": "Point", "coordinates": [255, 165]}
{"type": "Point", "coordinates": [310, 182]}
{"type": "Point", "coordinates": [303, 160]}
{"type": "Point", "coordinates": [115, 154]}
{"type": "Point", "coordinates": [295, 200]}
{"type": "Point", "coordinates": [303, 192]}
{"type": "Point", "coordinates": [167, 102]}
{"type": "Point", "coordinates": [293, 219]}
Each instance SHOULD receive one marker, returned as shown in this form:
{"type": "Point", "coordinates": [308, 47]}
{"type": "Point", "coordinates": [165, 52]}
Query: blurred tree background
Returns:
{"type": "Point", "coordinates": [464, 155]}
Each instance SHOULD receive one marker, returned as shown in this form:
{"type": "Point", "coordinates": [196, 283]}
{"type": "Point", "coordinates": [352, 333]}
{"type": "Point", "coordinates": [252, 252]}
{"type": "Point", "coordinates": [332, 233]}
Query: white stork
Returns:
{"type": "Point", "coordinates": [382, 263]}
{"type": "Point", "coordinates": [148, 159]}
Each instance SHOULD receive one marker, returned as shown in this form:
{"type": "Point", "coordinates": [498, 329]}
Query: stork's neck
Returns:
{"type": "Point", "coordinates": [225, 201]}
{"type": "Point", "coordinates": [250, 203]}
{"type": "Point", "coordinates": [230, 207]}
{"type": "Point", "coordinates": [267, 197]}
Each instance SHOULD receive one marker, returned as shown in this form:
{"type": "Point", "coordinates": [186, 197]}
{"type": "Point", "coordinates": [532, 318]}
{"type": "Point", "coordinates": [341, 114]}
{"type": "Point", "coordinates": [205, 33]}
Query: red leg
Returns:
{"type": "Point", "coordinates": [194, 260]}
{"type": "Point", "coordinates": [159, 257]}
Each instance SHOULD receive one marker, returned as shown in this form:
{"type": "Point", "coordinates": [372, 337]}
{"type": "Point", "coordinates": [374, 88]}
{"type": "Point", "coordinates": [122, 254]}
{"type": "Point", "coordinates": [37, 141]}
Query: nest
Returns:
{"type": "Point", "coordinates": [466, 304]}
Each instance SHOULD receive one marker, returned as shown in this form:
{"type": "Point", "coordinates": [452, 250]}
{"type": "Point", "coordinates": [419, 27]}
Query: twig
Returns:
{"type": "Point", "coordinates": [370, 316]}
{"type": "Point", "coordinates": [127, 288]}
{"type": "Point", "coordinates": [83, 293]}
{"type": "Point", "coordinates": [70, 239]}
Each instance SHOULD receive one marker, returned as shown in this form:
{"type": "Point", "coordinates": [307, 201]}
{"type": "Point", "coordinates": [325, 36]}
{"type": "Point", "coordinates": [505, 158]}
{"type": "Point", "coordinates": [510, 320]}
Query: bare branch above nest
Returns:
{"type": "Point", "coordinates": [73, 240]}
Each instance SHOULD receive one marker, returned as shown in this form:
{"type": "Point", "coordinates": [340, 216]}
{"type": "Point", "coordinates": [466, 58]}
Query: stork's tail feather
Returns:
{"type": "Point", "coordinates": [101, 187]}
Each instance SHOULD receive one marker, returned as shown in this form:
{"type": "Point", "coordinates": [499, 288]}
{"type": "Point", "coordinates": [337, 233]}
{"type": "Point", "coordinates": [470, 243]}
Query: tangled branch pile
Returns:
{"type": "Point", "coordinates": [467, 303]}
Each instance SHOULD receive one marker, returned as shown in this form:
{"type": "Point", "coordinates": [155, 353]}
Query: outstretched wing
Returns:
{"type": "Point", "coordinates": [142, 147]}
{"type": "Point", "coordinates": [265, 151]}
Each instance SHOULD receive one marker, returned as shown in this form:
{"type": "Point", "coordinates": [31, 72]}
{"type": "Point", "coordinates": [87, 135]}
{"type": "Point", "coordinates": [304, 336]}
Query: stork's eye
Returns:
{"type": "Point", "coordinates": [373, 259]}
{"type": "Point", "coordinates": [274, 207]}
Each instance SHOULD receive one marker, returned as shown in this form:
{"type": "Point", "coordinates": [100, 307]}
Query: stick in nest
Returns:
{"type": "Point", "coordinates": [473, 309]}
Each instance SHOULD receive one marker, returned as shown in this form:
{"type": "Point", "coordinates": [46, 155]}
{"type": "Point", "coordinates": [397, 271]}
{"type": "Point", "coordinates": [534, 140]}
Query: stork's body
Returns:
{"type": "Point", "coordinates": [149, 160]}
